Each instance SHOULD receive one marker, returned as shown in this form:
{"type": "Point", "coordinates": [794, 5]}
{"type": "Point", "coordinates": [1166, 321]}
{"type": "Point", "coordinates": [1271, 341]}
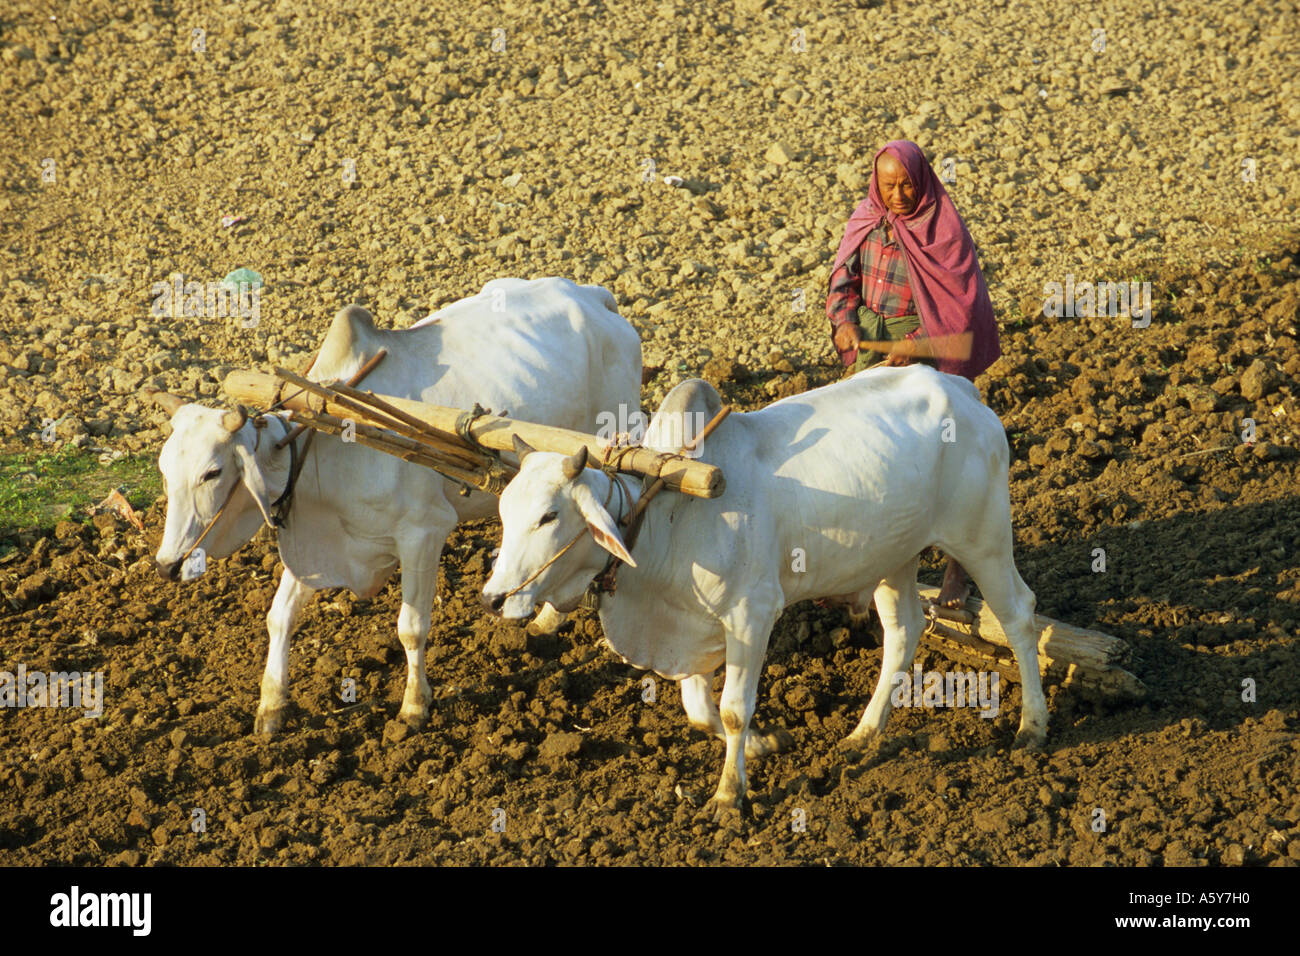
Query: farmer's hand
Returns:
{"type": "Point", "coordinates": [901, 354]}
{"type": "Point", "coordinates": [847, 337]}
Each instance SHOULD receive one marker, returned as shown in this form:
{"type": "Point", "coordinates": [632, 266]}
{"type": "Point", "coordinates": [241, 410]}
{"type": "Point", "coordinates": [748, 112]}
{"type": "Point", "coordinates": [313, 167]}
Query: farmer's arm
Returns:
{"type": "Point", "coordinates": [842, 305]}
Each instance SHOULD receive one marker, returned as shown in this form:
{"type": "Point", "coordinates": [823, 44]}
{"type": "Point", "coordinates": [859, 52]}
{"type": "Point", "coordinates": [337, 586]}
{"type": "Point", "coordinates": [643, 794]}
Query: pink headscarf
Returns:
{"type": "Point", "coordinates": [947, 284]}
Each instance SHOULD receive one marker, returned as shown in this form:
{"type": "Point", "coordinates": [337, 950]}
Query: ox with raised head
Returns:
{"type": "Point", "coordinates": [830, 493]}
{"type": "Point", "coordinates": [544, 350]}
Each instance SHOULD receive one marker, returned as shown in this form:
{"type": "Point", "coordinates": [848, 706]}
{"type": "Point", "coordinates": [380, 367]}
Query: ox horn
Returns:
{"type": "Point", "coordinates": [522, 448]}
{"type": "Point", "coordinates": [168, 402]}
{"type": "Point", "coordinates": [574, 464]}
{"type": "Point", "coordinates": [234, 419]}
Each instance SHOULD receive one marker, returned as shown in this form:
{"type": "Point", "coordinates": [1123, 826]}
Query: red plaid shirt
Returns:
{"type": "Point", "coordinates": [874, 276]}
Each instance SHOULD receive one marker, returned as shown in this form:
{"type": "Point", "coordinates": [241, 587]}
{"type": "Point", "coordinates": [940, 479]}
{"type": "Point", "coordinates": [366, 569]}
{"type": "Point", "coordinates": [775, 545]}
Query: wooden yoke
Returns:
{"type": "Point", "coordinates": [443, 428]}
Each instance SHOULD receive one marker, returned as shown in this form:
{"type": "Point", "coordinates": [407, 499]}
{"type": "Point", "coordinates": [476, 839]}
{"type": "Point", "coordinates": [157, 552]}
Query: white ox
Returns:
{"type": "Point", "coordinates": [544, 350]}
{"type": "Point", "coordinates": [832, 493]}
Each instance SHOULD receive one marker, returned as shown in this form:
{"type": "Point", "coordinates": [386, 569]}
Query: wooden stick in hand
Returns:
{"type": "Point", "coordinates": [956, 347]}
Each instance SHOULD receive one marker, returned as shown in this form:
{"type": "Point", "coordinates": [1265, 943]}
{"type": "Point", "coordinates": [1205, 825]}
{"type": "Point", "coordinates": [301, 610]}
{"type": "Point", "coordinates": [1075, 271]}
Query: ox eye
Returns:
{"type": "Point", "coordinates": [214, 473]}
{"type": "Point", "coordinates": [546, 518]}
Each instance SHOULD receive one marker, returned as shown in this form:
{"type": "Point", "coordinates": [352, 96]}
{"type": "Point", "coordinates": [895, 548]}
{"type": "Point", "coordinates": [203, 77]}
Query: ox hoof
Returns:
{"type": "Point", "coordinates": [1029, 739]}
{"type": "Point", "coordinates": [414, 717]}
{"type": "Point", "coordinates": [764, 743]}
{"type": "Point", "coordinates": [857, 747]}
{"type": "Point", "coordinates": [728, 812]}
{"type": "Point", "coordinates": [268, 723]}
{"type": "Point", "coordinates": [538, 628]}
{"type": "Point", "coordinates": [860, 740]}
{"type": "Point", "coordinates": [547, 622]}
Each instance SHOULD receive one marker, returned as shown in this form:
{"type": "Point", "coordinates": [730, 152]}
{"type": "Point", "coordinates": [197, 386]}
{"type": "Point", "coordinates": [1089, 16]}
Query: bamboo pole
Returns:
{"type": "Point", "coordinates": [690, 477]}
{"type": "Point", "coordinates": [449, 446]}
{"type": "Point", "coordinates": [354, 380]}
{"type": "Point", "coordinates": [407, 449]}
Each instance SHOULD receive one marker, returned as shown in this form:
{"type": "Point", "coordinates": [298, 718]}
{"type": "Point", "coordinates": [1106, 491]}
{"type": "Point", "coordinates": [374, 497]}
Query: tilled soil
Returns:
{"type": "Point", "coordinates": [1172, 448]}
{"type": "Point", "coordinates": [582, 761]}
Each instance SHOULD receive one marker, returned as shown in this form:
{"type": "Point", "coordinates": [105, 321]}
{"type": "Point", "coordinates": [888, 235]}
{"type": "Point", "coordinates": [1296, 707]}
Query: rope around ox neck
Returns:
{"type": "Point", "coordinates": [538, 573]}
{"type": "Point", "coordinates": [220, 511]}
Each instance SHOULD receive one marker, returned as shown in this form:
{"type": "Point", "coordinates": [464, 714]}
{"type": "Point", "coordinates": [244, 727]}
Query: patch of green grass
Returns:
{"type": "Point", "coordinates": [39, 489]}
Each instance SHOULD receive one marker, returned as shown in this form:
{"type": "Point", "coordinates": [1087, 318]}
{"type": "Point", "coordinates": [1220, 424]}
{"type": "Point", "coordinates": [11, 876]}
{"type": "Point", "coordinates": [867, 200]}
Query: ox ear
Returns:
{"type": "Point", "coordinates": [254, 479]}
{"type": "Point", "coordinates": [601, 525]}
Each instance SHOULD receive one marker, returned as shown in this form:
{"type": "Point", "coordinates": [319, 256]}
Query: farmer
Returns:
{"type": "Point", "coordinates": [906, 271]}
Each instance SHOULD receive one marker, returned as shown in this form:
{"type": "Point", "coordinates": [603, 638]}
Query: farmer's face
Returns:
{"type": "Point", "coordinates": [896, 189]}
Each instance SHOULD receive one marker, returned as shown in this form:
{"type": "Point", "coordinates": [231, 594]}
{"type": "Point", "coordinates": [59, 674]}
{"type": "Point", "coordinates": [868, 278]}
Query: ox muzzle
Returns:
{"type": "Point", "coordinates": [169, 571]}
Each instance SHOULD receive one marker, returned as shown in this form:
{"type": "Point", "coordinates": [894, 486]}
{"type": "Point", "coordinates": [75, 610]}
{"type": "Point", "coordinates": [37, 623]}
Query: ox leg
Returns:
{"type": "Point", "coordinates": [702, 713]}
{"type": "Point", "coordinates": [899, 607]}
{"type": "Point", "coordinates": [419, 582]}
{"type": "Point", "coordinates": [701, 709]}
{"type": "Point", "coordinates": [1013, 603]}
{"type": "Point", "coordinates": [747, 631]}
{"type": "Point", "coordinates": [860, 616]}
{"type": "Point", "coordinates": [548, 621]}
{"type": "Point", "coordinates": [281, 622]}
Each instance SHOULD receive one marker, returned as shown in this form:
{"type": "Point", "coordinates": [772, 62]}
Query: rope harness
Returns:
{"type": "Point", "coordinates": [497, 476]}
{"type": "Point", "coordinates": [280, 506]}
{"type": "Point", "coordinates": [199, 540]}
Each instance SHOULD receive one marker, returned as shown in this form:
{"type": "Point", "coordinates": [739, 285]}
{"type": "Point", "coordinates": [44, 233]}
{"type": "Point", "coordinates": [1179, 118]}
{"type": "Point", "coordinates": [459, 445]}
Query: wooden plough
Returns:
{"type": "Point", "coordinates": [1076, 657]}
{"type": "Point", "coordinates": [465, 446]}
